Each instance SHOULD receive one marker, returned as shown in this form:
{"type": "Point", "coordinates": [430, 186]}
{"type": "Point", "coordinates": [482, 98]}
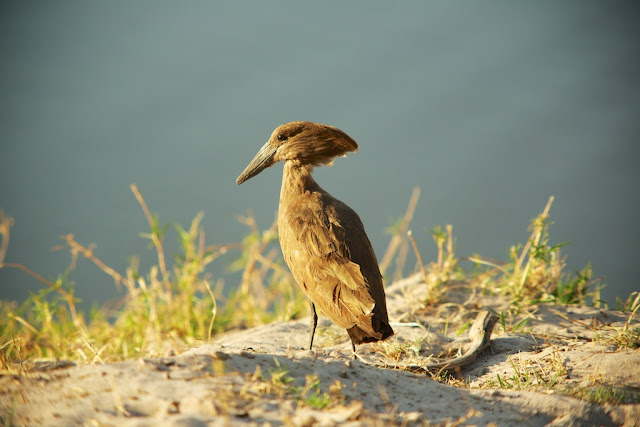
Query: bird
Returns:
{"type": "Point", "coordinates": [323, 240]}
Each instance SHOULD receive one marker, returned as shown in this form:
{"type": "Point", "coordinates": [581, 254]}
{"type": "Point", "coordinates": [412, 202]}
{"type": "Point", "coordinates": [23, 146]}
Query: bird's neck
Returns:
{"type": "Point", "coordinates": [296, 180]}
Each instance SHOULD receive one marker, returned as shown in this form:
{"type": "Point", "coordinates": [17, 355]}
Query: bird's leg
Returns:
{"type": "Point", "coordinates": [353, 345]}
{"type": "Point", "coordinates": [314, 323]}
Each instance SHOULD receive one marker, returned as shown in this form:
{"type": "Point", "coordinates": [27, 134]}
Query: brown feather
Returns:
{"type": "Point", "coordinates": [322, 239]}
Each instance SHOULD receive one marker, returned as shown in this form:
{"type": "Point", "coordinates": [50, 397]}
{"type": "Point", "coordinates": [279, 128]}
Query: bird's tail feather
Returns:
{"type": "Point", "coordinates": [359, 336]}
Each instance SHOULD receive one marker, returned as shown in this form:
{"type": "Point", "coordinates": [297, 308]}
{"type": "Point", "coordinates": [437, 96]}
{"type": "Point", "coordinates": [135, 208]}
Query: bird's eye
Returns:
{"type": "Point", "coordinates": [282, 137]}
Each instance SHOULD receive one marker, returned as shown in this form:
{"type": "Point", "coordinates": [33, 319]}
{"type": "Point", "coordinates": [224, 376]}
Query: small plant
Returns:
{"type": "Point", "coordinates": [574, 290]}
{"type": "Point", "coordinates": [536, 268]}
{"type": "Point", "coordinates": [406, 351]}
{"type": "Point", "coordinates": [535, 272]}
{"type": "Point", "coordinates": [280, 379]}
{"type": "Point", "coordinates": [620, 337]}
{"type": "Point", "coordinates": [439, 274]}
{"type": "Point", "coordinates": [510, 316]}
{"type": "Point", "coordinates": [631, 305]}
{"type": "Point", "coordinates": [312, 395]}
{"type": "Point", "coordinates": [532, 374]}
{"type": "Point", "coordinates": [281, 384]}
{"type": "Point", "coordinates": [600, 394]}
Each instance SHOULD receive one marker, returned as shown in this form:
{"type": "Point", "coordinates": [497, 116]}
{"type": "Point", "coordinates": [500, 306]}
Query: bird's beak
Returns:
{"type": "Point", "coordinates": [261, 161]}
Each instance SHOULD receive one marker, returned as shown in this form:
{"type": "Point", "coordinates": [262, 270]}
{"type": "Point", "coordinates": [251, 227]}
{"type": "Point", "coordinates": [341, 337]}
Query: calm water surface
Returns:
{"type": "Point", "coordinates": [490, 108]}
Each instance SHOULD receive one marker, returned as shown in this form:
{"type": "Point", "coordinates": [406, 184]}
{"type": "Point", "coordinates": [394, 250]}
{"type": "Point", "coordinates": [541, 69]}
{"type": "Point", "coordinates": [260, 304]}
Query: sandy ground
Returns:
{"type": "Point", "coordinates": [258, 376]}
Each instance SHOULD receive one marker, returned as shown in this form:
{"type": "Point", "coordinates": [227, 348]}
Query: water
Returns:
{"type": "Point", "coordinates": [489, 108]}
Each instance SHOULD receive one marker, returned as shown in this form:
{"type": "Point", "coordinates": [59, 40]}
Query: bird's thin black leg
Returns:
{"type": "Point", "coordinates": [354, 346]}
{"type": "Point", "coordinates": [314, 323]}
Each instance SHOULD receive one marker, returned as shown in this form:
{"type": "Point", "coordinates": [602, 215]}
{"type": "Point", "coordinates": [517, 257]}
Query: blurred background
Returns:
{"type": "Point", "coordinates": [488, 107]}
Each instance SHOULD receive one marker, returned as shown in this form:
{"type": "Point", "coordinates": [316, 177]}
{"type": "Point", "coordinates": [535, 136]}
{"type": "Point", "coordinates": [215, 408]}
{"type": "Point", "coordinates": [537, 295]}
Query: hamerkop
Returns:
{"type": "Point", "coordinates": [322, 239]}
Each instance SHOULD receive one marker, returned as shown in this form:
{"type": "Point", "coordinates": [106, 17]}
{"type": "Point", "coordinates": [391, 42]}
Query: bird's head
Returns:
{"type": "Point", "coordinates": [306, 143]}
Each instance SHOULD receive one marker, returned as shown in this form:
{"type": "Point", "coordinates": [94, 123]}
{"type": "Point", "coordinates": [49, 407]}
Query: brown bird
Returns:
{"type": "Point", "coordinates": [322, 239]}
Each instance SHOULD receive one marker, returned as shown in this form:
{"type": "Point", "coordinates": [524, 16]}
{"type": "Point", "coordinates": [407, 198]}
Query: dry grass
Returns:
{"type": "Point", "coordinates": [177, 304]}
{"type": "Point", "coordinates": [165, 309]}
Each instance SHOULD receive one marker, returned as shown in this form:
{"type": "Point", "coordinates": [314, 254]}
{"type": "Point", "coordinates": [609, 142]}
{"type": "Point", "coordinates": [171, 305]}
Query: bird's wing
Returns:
{"type": "Point", "coordinates": [320, 259]}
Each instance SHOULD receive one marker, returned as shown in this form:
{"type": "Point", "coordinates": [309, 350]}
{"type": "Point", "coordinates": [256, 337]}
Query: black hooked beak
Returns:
{"type": "Point", "coordinates": [261, 161]}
